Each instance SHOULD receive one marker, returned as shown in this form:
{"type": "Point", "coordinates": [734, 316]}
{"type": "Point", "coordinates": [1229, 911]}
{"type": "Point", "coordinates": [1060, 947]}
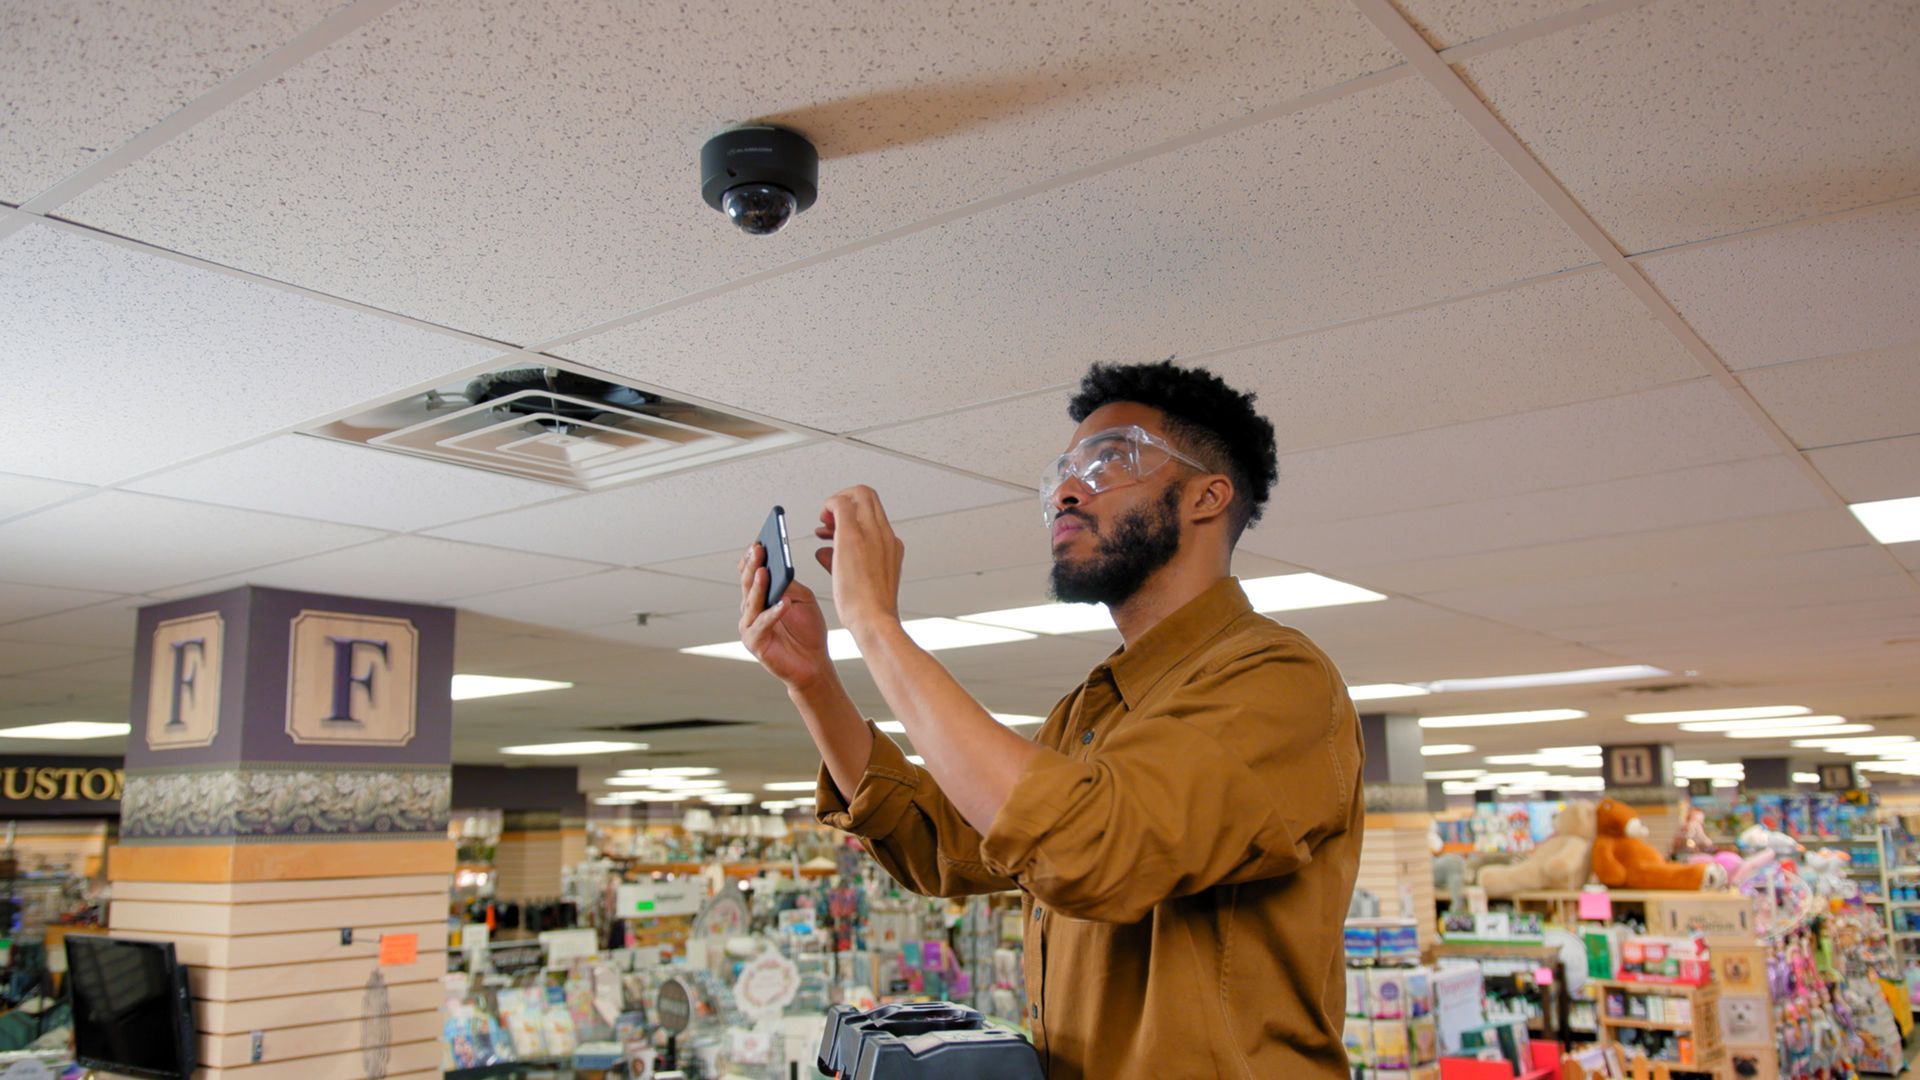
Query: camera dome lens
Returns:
{"type": "Point", "coordinates": [759, 209]}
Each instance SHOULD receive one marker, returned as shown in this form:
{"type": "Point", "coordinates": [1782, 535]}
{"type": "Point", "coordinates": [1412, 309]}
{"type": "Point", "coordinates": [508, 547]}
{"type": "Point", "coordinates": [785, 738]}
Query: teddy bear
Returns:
{"type": "Point", "coordinates": [1561, 861]}
{"type": "Point", "coordinates": [1622, 858]}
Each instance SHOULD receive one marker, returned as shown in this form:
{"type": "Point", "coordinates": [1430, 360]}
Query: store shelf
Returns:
{"type": "Point", "coordinates": [1648, 987]}
{"type": "Point", "coordinates": [1648, 1025]}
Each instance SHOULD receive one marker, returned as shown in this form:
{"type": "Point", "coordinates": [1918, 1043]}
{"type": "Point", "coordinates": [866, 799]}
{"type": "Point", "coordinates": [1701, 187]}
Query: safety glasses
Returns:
{"type": "Point", "coordinates": [1109, 459]}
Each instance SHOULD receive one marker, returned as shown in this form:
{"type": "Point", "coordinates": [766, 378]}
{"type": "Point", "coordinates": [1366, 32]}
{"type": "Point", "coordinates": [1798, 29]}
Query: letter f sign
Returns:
{"type": "Point", "coordinates": [345, 651]}
{"type": "Point", "coordinates": [184, 676]}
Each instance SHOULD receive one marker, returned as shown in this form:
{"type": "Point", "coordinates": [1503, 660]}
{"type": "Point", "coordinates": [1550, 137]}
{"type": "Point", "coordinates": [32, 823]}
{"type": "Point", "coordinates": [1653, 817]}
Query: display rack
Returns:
{"type": "Point", "coordinates": [1555, 1003]}
{"type": "Point", "coordinates": [1701, 1029]}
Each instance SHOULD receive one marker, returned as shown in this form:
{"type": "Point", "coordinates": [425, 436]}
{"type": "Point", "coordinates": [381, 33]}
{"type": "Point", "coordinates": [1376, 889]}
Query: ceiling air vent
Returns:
{"type": "Point", "coordinates": [560, 423]}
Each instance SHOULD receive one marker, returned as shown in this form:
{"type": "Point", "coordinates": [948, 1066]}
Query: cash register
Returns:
{"type": "Point", "coordinates": [929, 1040]}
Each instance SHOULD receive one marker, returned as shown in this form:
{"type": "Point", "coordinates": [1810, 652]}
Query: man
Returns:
{"type": "Point", "coordinates": [1186, 825]}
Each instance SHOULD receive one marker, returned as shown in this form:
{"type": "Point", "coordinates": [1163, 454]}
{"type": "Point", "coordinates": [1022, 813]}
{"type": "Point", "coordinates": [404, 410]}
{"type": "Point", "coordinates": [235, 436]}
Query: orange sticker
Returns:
{"type": "Point", "coordinates": [399, 949]}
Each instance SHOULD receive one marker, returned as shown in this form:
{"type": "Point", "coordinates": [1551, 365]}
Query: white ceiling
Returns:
{"type": "Point", "coordinates": [1578, 337]}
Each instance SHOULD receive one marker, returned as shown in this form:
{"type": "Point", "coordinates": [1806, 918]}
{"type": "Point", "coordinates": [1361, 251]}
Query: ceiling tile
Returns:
{"type": "Point", "coordinates": [84, 76]}
{"type": "Point", "coordinates": [129, 343]}
{"type": "Point", "coordinates": [1814, 290]}
{"type": "Point", "coordinates": [410, 568]}
{"type": "Point", "coordinates": [23, 657]}
{"type": "Point", "coordinates": [1374, 202]}
{"type": "Point", "coordinates": [1760, 584]}
{"type": "Point", "coordinates": [1561, 341]}
{"type": "Point", "coordinates": [988, 590]}
{"type": "Point", "coordinates": [1685, 497]}
{"type": "Point", "coordinates": [1678, 121]}
{"type": "Point", "coordinates": [1776, 534]}
{"type": "Point", "coordinates": [110, 624]}
{"type": "Point", "coordinates": [1660, 430]}
{"type": "Point", "coordinates": [1008, 440]}
{"type": "Point", "coordinates": [1446, 23]}
{"type": "Point", "coordinates": [19, 494]}
{"type": "Point", "coordinates": [1870, 471]}
{"type": "Point", "coordinates": [353, 485]}
{"type": "Point", "coordinates": [1908, 554]}
{"type": "Point", "coordinates": [23, 602]}
{"type": "Point", "coordinates": [598, 599]}
{"type": "Point", "coordinates": [537, 165]}
{"type": "Point", "coordinates": [138, 543]}
{"type": "Point", "coordinates": [1843, 399]}
{"type": "Point", "coordinates": [690, 513]}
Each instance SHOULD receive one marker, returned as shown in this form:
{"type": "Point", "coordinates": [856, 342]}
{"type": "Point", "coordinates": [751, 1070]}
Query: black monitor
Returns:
{"type": "Point", "coordinates": [132, 1011]}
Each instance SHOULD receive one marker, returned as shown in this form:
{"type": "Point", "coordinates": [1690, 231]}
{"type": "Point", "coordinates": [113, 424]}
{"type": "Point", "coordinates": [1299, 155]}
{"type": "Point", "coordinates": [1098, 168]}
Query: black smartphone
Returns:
{"type": "Point", "coordinates": [773, 538]}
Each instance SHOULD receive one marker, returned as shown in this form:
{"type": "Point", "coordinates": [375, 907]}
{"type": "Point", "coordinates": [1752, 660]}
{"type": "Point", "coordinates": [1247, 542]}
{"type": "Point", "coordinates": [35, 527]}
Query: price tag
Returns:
{"type": "Point", "coordinates": [399, 950]}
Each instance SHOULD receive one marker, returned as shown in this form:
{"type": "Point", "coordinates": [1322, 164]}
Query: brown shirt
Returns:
{"type": "Point", "coordinates": [1187, 844]}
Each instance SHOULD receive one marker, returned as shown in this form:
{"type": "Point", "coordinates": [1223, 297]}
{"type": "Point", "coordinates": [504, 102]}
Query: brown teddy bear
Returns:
{"type": "Point", "coordinates": [1622, 858]}
{"type": "Point", "coordinates": [1558, 862]}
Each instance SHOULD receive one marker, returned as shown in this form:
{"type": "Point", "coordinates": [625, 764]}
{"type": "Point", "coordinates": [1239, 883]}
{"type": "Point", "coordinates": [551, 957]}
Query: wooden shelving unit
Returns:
{"type": "Point", "coordinates": [1709, 1059]}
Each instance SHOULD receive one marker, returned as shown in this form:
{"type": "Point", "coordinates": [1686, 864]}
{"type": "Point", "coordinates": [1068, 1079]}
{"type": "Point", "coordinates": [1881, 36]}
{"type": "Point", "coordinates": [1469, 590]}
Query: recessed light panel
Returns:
{"type": "Point", "coordinates": [1531, 716]}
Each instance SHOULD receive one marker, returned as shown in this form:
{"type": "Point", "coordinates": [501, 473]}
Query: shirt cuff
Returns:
{"type": "Point", "coordinates": [1042, 795]}
{"type": "Point", "coordinates": [885, 792]}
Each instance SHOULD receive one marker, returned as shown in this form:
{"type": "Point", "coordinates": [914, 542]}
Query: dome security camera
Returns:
{"type": "Point", "coordinates": [759, 176]}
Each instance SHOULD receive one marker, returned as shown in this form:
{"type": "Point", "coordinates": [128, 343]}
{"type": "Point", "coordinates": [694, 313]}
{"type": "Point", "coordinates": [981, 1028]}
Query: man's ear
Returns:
{"type": "Point", "coordinates": [1210, 500]}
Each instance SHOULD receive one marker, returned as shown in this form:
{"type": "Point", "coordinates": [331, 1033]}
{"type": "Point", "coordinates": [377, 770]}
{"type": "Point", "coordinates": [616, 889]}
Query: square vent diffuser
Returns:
{"type": "Point", "coordinates": [559, 423]}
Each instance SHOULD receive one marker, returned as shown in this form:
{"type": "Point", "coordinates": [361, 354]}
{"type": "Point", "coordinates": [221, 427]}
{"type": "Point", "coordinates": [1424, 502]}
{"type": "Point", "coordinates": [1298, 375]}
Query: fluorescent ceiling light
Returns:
{"type": "Point", "coordinates": [1459, 787]}
{"type": "Point", "coordinates": [1703, 770]}
{"type": "Point", "coordinates": [1385, 690]}
{"type": "Point", "coordinates": [1547, 678]}
{"type": "Point", "coordinates": [1891, 521]}
{"type": "Point", "coordinates": [1445, 749]}
{"type": "Point", "coordinates": [683, 783]}
{"type": "Point", "coordinates": [1535, 716]}
{"type": "Point", "coordinates": [1686, 715]}
{"type": "Point", "coordinates": [673, 770]}
{"type": "Point", "coordinates": [1725, 782]}
{"type": "Point", "coordinates": [569, 749]}
{"type": "Point", "coordinates": [1810, 732]}
{"type": "Point", "coordinates": [1048, 618]}
{"type": "Point", "coordinates": [728, 798]}
{"type": "Point", "coordinates": [1297, 592]}
{"type": "Point", "coordinates": [1806, 778]}
{"type": "Point", "coordinates": [68, 729]}
{"type": "Point", "coordinates": [1878, 743]}
{"type": "Point", "coordinates": [1018, 719]}
{"type": "Point", "coordinates": [661, 796]}
{"type": "Point", "coordinates": [1453, 774]}
{"type": "Point", "coordinates": [723, 650]}
{"type": "Point", "coordinates": [790, 785]}
{"type": "Point", "coordinates": [933, 635]}
{"type": "Point", "coordinates": [1285, 592]}
{"type": "Point", "coordinates": [469, 687]}
{"type": "Point", "coordinates": [609, 800]}
{"type": "Point", "coordinates": [892, 727]}
{"type": "Point", "coordinates": [1765, 724]}
{"type": "Point", "coordinates": [777, 804]}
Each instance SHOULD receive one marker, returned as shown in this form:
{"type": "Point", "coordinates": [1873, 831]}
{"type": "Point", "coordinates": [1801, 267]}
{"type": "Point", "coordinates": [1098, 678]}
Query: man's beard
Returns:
{"type": "Point", "coordinates": [1140, 542]}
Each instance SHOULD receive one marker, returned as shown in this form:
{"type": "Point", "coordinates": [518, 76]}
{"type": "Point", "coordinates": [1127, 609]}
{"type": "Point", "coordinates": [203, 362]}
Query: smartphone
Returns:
{"type": "Point", "coordinates": [773, 538]}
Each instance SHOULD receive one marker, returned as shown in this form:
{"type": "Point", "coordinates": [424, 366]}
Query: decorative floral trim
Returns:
{"type": "Point", "coordinates": [285, 802]}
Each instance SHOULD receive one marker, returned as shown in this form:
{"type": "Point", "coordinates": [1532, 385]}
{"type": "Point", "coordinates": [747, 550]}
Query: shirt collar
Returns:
{"type": "Point", "coordinates": [1136, 668]}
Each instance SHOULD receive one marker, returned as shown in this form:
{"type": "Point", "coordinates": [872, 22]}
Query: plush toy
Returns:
{"type": "Point", "coordinates": [1826, 871]}
{"type": "Point", "coordinates": [1622, 858]}
{"type": "Point", "coordinates": [1450, 880]}
{"type": "Point", "coordinates": [1561, 861]}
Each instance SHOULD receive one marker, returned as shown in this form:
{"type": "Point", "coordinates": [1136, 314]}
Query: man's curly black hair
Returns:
{"type": "Point", "coordinates": [1205, 417]}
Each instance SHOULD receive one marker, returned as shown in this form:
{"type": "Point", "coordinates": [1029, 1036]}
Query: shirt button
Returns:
{"type": "Point", "coordinates": [1087, 737]}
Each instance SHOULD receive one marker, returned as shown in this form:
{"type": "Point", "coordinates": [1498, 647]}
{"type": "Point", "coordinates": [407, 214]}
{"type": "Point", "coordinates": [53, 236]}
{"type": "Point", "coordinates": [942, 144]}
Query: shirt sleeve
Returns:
{"type": "Point", "coordinates": [905, 822]}
{"type": "Point", "coordinates": [1240, 775]}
